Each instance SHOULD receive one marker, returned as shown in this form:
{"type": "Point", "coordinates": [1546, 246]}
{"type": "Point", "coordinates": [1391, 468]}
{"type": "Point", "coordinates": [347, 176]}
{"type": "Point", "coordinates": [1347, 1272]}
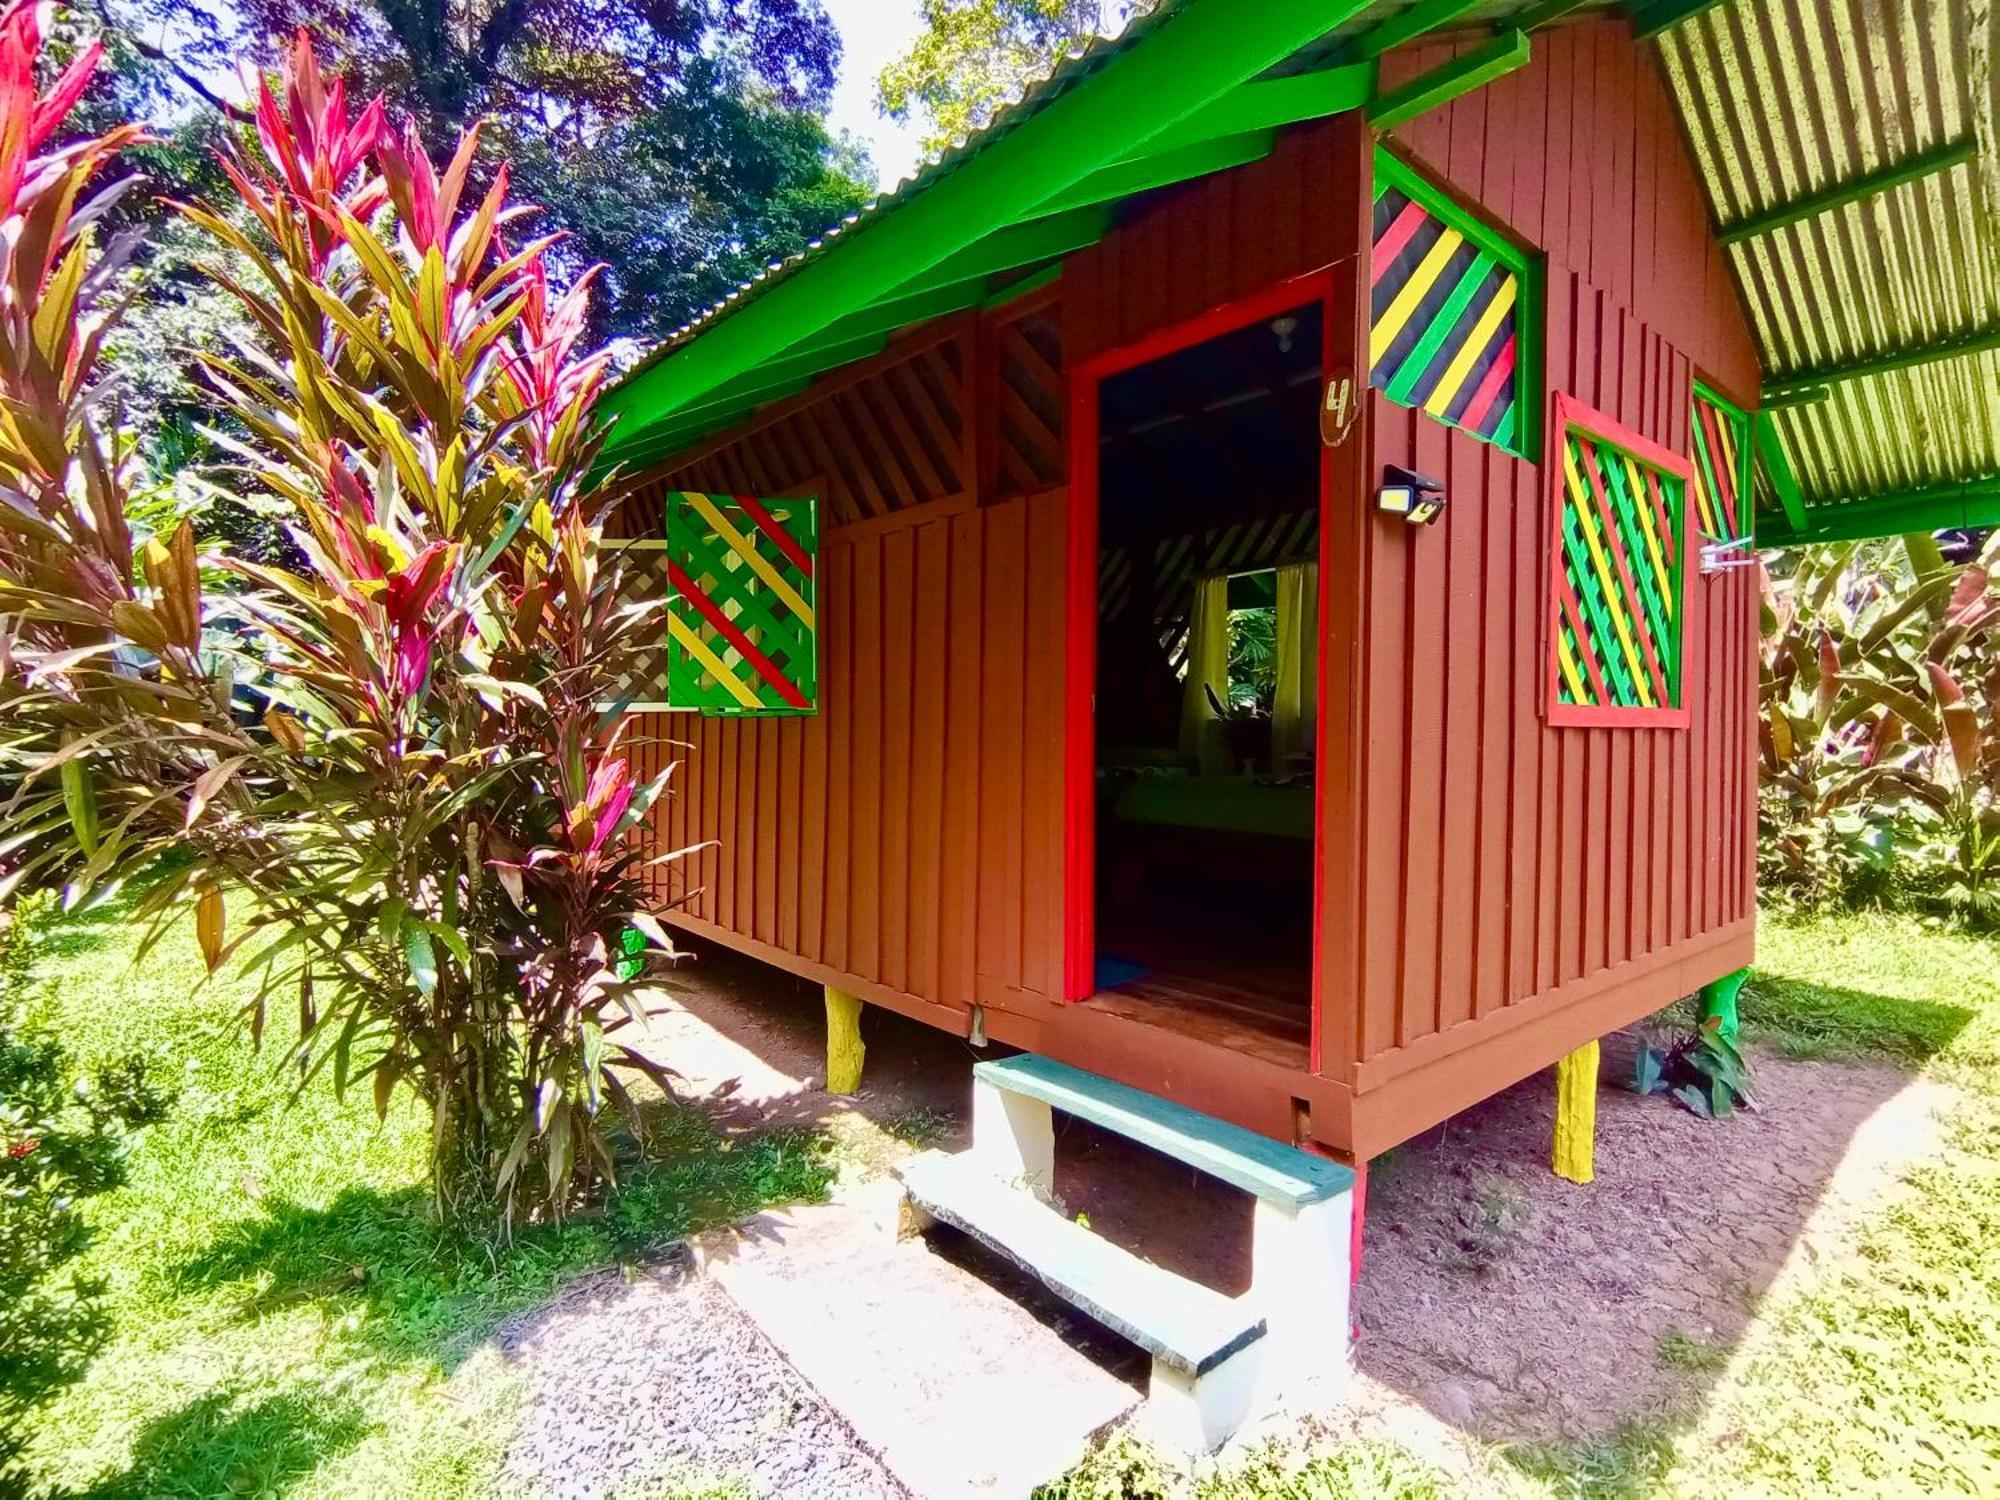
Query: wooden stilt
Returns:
{"type": "Point", "coordinates": [844, 1051]}
{"type": "Point", "coordinates": [1718, 998]}
{"type": "Point", "coordinates": [1576, 1114]}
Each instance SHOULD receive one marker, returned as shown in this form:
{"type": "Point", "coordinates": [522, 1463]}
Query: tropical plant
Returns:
{"type": "Point", "coordinates": [1879, 744]}
{"type": "Point", "coordinates": [402, 766]}
{"type": "Point", "coordinates": [63, 1141]}
{"type": "Point", "coordinates": [1703, 1072]}
{"type": "Point", "coordinates": [974, 57]}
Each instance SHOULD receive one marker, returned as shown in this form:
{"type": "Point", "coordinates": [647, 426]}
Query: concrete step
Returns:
{"type": "Point", "coordinates": [1183, 1325]}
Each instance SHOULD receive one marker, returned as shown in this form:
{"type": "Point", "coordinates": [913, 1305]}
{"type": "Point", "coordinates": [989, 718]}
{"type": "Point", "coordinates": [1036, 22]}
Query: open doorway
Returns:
{"type": "Point", "coordinates": [1208, 494]}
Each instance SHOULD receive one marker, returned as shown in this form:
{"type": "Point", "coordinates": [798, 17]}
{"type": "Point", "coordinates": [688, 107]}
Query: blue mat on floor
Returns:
{"type": "Point", "coordinates": [1112, 972]}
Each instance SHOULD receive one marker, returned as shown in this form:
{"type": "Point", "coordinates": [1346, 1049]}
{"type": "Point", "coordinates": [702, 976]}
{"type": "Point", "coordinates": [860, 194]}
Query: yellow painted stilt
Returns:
{"type": "Point", "coordinates": [844, 1051]}
{"type": "Point", "coordinates": [1576, 1114]}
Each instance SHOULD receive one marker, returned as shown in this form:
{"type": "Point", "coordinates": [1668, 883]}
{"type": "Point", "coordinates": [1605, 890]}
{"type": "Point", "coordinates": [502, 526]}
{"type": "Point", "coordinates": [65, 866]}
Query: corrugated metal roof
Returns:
{"type": "Point", "coordinates": [1785, 98]}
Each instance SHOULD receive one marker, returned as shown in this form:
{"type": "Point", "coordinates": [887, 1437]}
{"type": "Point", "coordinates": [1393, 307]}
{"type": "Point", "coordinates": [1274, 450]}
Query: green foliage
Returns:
{"type": "Point", "coordinates": [63, 1141]}
{"type": "Point", "coordinates": [1879, 744]}
{"type": "Point", "coordinates": [398, 755]}
{"type": "Point", "coordinates": [285, 1315]}
{"type": "Point", "coordinates": [1704, 1072]}
{"type": "Point", "coordinates": [680, 147]}
{"type": "Point", "coordinates": [974, 56]}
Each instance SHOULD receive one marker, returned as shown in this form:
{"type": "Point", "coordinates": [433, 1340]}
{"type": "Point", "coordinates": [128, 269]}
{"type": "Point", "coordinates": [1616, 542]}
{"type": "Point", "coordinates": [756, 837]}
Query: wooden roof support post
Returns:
{"type": "Point", "coordinates": [1770, 452]}
{"type": "Point", "coordinates": [1576, 1114]}
{"type": "Point", "coordinates": [1193, 57]}
{"type": "Point", "coordinates": [1718, 1002]}
{"type": "Point", "coordinates": [844, 1051]}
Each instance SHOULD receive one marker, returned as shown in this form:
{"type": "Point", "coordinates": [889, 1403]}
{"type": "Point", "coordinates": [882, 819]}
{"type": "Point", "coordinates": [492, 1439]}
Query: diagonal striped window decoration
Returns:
{"type": "Point", "coordinates": [1451, 315]}
{"type": "Point", "coordinates": [1722, 459]}
{"type": "Point", "coordinates": [741, 631]}
{"type": "Point", "coordinates": [1619, 527]}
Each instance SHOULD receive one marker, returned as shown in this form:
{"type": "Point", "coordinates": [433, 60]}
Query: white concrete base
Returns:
{"type": "Point", "coordinates": [1300, 1279]}
{"type": "Point", "coordinates": [1014, 1138]}
{"type": "Point", "coordinates": [1198, 1413]}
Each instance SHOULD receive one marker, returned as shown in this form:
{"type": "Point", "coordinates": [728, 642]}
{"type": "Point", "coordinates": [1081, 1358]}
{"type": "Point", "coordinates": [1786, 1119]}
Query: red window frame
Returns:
{"type": "Point", "coordinates": [1568, 413]}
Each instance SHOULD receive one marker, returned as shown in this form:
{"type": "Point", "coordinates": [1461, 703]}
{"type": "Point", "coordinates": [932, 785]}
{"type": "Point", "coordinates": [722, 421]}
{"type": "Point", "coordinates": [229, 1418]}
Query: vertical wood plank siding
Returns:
{"type": "Point", "coordinates": [1510, 868]}
{"type": "Point", "coordinates": [1495, 891]}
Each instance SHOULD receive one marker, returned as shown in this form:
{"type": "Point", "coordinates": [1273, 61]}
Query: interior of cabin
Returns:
{"type": "Point", "coordinates": [1207, 672]}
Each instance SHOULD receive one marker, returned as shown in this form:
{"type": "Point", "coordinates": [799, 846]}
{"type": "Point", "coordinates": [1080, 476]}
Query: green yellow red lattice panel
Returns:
{"type": "Point", "coordinates": [1619, 523]}
{"type": "Point", "coordinates": [1447, 328]}
{"type": "Point", "coordinates": [742, 636]}
{"type": "Point", "coordinates": [1722, 459]}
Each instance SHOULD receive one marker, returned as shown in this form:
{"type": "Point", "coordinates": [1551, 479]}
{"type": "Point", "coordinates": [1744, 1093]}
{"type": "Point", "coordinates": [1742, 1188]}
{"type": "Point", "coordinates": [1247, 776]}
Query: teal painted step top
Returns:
{"type": "Point", "coordinates": [1178, 1321]}
{"type": "Point", "coordinates": [1275, 1172]}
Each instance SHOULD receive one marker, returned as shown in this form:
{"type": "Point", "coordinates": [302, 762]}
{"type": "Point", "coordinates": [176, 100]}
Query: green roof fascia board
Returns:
{"type": "Point", "coordinates": [882, 317]}
{"type": "Point", "coordinates": [1650, 19]}
{"type": "Point", "coordinates": [1914, 168]}
{"type": "Point", "coordinates": [1407, 26]}
{"type": "Point", "coordinates": [1943, 508]}
{"type": "Point", "coordinates": [1187, 60]}
{"type": "Point", "coordinates": [1787, 388]}
{"type": "Point", "coordinates": [754, 387]}
{"type": "Point", "coordinates": [1144, 173]}
{"type": "Point", "coordinates": [1470, 70]}
{"type": "Point", "coordinates": [1017, 246]}
{"type": "Point", "coordinates": [1270, 103]}
{"type": "Point", "coordinates": [1769, 449]}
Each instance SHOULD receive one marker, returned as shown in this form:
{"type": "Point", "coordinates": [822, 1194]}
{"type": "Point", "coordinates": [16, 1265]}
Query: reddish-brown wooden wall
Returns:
{"type": "Point", "coordinates": [1494, 892]}
{"type": "Point", "coordinates": [1524, 888]}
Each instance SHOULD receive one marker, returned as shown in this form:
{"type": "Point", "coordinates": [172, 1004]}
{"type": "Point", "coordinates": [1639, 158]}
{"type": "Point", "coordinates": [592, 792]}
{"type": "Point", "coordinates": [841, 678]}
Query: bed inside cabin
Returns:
{"type": "Point", "coordinates": [1207, 653]}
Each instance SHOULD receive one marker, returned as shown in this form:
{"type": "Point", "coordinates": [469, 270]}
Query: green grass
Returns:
{"type": "Point", "coordinates": [286, 1317]}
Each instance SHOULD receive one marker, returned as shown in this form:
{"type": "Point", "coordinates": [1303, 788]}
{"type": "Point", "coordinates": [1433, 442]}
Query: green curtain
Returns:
{"type": "Point", "coordinates": [1295, 705]}
{"type": "Point", "coordinates": [1208, 666]}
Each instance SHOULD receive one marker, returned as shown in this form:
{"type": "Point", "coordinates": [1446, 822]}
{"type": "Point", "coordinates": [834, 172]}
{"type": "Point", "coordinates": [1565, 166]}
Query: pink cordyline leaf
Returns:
{"type": "Point", "coordinates": [29, 118]}
{"type": "Point", "coordinates": [611, 795]}
{"type": "Point", "coordinates": [316, 149]}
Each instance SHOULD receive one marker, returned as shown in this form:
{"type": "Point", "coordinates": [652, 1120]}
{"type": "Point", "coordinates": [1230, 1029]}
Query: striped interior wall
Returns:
{"type": "Point", "coordinates": [1443, 312]}
{"type": "Point", "coordinates": [1178, 561]}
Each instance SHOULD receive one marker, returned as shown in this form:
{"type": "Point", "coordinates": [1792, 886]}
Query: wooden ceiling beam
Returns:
{"type": "Point", "coordinates": [1943, 508]}
{"type": "Point", "coordinates": [1791, 388]}
{"type": "Point", "coordinates": [1913, 168]}
{"type": "Point", "coordinates": [1470, 70]}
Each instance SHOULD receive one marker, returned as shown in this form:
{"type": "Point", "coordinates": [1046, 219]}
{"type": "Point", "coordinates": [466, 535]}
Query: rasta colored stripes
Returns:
{"type": "Point", "coordinates": [741, 628]}
{"type": "Point", "coordinates": [1721, 451]}
{"type": "Point", "coordinates": [1443, 320]}
{"type": "Point", "coordinates": [1615, 626]}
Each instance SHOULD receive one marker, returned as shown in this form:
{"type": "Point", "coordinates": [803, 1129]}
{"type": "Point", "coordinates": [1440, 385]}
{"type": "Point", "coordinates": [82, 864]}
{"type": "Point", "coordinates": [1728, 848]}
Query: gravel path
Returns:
{"type": "Point", "coordinates": [660, 1385]}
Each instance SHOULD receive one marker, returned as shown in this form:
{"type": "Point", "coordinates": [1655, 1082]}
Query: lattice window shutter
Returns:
{"type": "Point", "coordinates": [1619, 512]}
{"type": "Point", "coordinates": [741, 630]}
{"type": "Point", "coordinates": [1722, 460]}
{"type": "Point", "coordinates": [643, 579]}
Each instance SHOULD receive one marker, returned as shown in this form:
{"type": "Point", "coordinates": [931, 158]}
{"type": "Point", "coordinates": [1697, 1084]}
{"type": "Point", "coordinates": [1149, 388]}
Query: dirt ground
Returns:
{"type": "Point", "coordinates": [1495, 1299]}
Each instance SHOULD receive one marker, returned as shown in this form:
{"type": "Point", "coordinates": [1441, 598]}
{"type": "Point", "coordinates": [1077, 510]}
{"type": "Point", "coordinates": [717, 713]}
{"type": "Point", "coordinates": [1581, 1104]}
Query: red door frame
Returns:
{"type": "Point", "coordinates": [1080, 712]}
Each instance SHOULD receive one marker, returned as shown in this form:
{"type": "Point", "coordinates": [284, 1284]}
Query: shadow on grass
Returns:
{"type": "Point", "coordinates": [434, 1291]}
{"type": "Point", "coordinates": [217, 1446]}
{"type": "Point", "coordinates": [1806, 1019]}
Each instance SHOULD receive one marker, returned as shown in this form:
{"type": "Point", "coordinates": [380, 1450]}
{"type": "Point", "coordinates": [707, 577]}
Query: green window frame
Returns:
{"type": "Point", "coordinates": [1455, 312]}
{"type": "Point", "coordinates": [1724, 466]}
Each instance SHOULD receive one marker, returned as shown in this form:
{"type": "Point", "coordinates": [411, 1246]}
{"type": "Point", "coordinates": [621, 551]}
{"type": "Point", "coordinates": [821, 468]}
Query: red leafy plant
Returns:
{"type": "Point", "coordinates": [401, 766]}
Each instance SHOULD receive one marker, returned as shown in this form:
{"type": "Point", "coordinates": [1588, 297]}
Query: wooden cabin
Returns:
{"type": "Point", "coordinates": [1233, 579]}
